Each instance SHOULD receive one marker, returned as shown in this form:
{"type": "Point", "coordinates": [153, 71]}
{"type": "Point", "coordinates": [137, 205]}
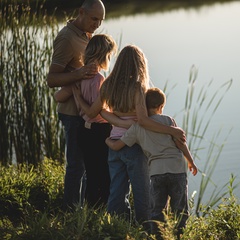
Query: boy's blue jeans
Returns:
{"type": "Point", "coordinates": [75, 182]}
{"type": "Point", "coordinates": [129, 166]}
{"type": "Point", "coordinates": [170, 185]}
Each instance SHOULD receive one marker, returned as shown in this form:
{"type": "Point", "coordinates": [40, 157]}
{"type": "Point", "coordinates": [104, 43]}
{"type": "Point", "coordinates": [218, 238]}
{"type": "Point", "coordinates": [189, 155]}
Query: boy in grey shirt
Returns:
{"type": "Point", "coordinates": [166, 159]}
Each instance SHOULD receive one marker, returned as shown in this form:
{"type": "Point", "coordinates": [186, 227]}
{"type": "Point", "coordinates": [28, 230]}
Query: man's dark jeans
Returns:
{"type": "Point", "coordinates": [75, 180]}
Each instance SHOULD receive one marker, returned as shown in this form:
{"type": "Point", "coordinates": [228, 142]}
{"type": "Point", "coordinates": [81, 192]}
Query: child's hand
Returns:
{"type": "Point", "coordinates": [115, 145]}
{"type": "Point", "coordinates": [107, 141]}
{"type": "Point", "coordinates": [192, 168]}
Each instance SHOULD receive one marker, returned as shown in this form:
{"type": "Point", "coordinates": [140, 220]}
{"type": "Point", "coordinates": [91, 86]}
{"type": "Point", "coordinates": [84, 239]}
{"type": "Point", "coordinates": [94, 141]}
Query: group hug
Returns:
{"type": "Point", "coordinates": [117, 138]}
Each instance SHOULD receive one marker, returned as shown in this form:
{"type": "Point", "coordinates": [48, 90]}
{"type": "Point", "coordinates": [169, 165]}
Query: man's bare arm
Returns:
{"type": "Point", "coordinates": [58, 78]}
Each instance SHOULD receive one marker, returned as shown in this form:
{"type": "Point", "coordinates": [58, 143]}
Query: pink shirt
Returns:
{"type": "Point", "coordinates": [90, 91]}
{"type": "Point", "coordinates": [118, 132]}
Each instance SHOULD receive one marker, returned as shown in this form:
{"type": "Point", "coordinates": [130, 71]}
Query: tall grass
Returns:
{"type": "Point", "coordinates": [31, 208]}
{"type": "Point", "coordinates": [29, 126]}
{"type": "Point", "coordinates": [198, 105]}
{"type": "Point", "coordinates": [201, 102]}
{"type": "Point", "coordinates": [221, 222]}
{"type": "Point", "coordinates": [31, 197]}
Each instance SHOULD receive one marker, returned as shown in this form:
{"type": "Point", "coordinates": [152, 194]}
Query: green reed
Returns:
{"type": "Point", "coordinates": [200, 103]}
{"type": "Point", "coordinates": [29, 126]}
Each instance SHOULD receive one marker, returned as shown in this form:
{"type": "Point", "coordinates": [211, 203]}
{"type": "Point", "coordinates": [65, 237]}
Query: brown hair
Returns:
{"type": "Point", "coordinates": [155, 97]}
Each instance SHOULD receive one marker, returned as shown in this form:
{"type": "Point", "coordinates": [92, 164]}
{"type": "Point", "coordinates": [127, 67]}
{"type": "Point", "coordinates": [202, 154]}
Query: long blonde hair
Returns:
{"type": "Point", "coordinates": [129, 74]}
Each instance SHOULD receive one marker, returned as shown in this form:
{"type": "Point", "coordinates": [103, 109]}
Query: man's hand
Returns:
{"type": "Point", "coordinates": [87, 71]}
{"type": "Point", "coordinates": [57, 77]}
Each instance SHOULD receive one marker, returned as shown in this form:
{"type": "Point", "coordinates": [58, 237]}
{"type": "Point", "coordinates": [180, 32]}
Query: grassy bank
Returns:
{"type": "Point", "coordinates": [31, 199]}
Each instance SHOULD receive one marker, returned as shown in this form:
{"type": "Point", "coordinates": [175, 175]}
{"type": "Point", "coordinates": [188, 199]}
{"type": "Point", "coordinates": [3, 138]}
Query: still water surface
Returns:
{"type": "Point", "coordinates": [208, 38]}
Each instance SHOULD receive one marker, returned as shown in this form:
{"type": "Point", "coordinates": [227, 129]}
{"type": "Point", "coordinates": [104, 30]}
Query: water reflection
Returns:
{"type": "Point", "coordinates": [118, 8]}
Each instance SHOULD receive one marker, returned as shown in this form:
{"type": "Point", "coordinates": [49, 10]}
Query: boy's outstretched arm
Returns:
{"type": "Point", "coordinates": [184, 148]}
{"type": "Point", "coordinates": [114, 144]}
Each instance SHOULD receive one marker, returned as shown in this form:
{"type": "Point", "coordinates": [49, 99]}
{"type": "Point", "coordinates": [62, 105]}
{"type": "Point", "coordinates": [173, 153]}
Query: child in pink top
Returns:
{"type": "Point", "coordinates": [98, 51]}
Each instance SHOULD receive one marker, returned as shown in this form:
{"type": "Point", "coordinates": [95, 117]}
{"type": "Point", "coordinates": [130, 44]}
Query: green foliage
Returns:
{"type": "Point", "coordinates": [196, 125]}
{"type": "Point", "coordinates": [215, 223]}
{"type": "Point", "coordinates": [29, 125]}
{"type": "Point", "coordinates": [24, 185]}
{"type": "Point", "coordinates": [165, 230]}
{"type": "Point", "coordinates": [85, 223]}
{"type": "Point", "coordinates": [221, 223]}
{"type": "Point", "coordinates": [31, 197]}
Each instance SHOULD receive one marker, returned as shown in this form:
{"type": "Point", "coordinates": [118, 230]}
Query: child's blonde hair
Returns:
{"type": "Point", "coordinates": [98, 50]}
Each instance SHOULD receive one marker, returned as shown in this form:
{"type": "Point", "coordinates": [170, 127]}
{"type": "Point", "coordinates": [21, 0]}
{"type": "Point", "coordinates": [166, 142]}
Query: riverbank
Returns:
{"type": "Point", "coordinates": [31, 199]}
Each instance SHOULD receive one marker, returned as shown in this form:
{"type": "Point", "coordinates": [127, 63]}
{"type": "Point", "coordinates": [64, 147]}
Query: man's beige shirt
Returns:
{"type": "Point", "coordinates": [68, 50]}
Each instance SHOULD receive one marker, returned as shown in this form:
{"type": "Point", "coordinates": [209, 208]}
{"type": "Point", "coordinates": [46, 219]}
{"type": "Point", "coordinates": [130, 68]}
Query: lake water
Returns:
{"type": "Point", "coordinates": [174, 41]}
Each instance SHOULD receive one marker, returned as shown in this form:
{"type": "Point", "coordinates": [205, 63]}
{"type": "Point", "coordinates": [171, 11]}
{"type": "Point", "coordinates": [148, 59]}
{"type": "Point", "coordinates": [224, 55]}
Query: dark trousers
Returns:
{"type": "Point", "coordinates": [96, 163]}
{"type": "Point", "coordinates": [74, 183]}
{"type": "Point", "coordinates": [171, 185]}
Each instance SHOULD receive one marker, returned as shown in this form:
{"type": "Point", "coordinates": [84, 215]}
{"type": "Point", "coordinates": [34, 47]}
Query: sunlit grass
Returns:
{"type": "Point", "coordinates": [31, 208]}
{"type": "Point", "coordinates": [200, 107]}
{"type": "Point", "coordinates": [220, 222]}
{"type": "Point", "coordinates": [31, 198]}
